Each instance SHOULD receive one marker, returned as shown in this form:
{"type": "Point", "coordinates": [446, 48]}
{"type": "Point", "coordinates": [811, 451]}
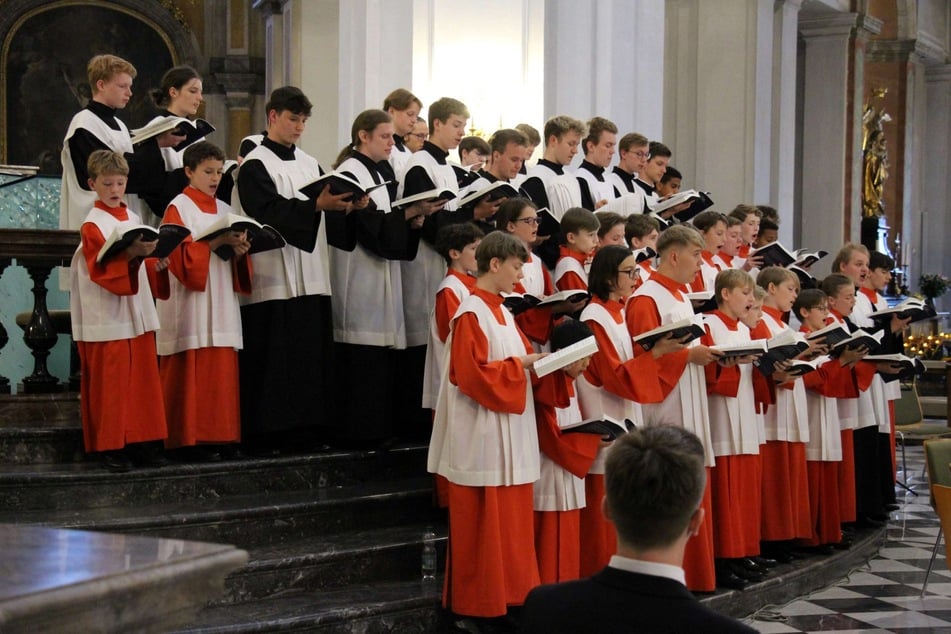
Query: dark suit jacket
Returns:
{"type": "Point", "coordinates": [619, 601]}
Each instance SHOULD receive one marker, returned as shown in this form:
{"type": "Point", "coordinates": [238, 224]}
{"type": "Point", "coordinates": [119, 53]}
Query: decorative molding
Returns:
{"type": "Point", "coordinates": [889, 50]}
{"type": "Point", "coordinates": [938, 73]}
{"type": "Point", "coordinates": [837, 25]}
{"type": "Point", "coordinates": [238, 74]}
{"type": "Point", "coordinates": [931, 49]}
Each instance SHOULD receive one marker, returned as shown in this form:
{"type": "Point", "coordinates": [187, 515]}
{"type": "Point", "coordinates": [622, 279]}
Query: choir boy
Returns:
{"type": "Point", "coordinates": [654, 170]}
{"type": "Point", "coordinates": [683, 401]}
{"type": "Point", "coordinates": [824, 449]}
{"type": "Point", "coordinates": [549, 185]}
{"type": "Point", "coordinates": [114, 324]}
{"type": "Point", "coordinates": [286, 364]}
{"type": "Point", "coordinates": [201, 321]}
{"type": "Point", "coordinates": [669, 183]}
{"type": "Point", "coordinates": [565, 459]}
{"type": "Point", "coordinates": [749, 216]}
{"type": "Point", "coordinates": [875, 488]}
{"type": "Point", "coordinates": [857, 459]}
{"type": "Point", "coordinates": [734, 428]}
{"type": "Point", "coordinates": [611, 230]}
{"type": "Point", "coordinates": [641, 232]}
{"type": "Point", "coordinates": [768, 233]}
{"type": "Point", "coordinates": [96, 127]}
{"type": "Point", "coordinates": [485, 442]}
{"type": "Point", "coordinates": [712, 226]}
{"type": "Point", "coordinates": [785, 508]}
{"type": "Point", "coordinates": [507, 148]}
{"type": "Point", "coordinates": [534, 140]}
{"type": "Point", "coordinates": [404, 107]}
{"type": "Point", "coordinates": [457, 243]}
{"type": "Point", "coordinates": [580, 228]}
{"type": "Point", "coordinates": [632, 158]}
{"type": "Point", "coordinates": [598, 148]}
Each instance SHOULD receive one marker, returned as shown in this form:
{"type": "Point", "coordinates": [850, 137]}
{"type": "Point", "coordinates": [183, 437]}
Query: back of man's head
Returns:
{"type": "Point", "coordinates": [654, 482]}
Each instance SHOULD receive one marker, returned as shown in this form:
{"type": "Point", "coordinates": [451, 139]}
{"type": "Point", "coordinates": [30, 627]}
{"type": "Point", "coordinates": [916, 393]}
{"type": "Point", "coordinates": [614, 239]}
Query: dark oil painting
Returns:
{"type": "Point", "coordinates": [46, 75]}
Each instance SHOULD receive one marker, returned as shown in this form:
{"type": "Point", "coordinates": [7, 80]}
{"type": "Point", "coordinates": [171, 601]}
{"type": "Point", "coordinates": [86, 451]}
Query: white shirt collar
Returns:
{"type": "Point", "coordinates": [648, 568]}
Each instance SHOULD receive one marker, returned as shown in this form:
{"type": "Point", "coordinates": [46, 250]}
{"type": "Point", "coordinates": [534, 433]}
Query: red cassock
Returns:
{"type": "Point", "coordinates": [200, 385]}
{"type": "Point", "coordinates": [570, 279]}
{"type": "Point", "coordinates": [120, 394]}
{"type": "Point", "coordinates": [491, 562]}
{"type": "Point", "coordinates": [736, 478]}
{"type": "Point", "coordinates": [558, 533]}
{"type": "Point", "coordinates": [785, 494]}
{"type": "Point", "coordinates": [641, 315]}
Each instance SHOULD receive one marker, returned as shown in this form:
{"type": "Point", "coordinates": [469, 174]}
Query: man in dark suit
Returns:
{"type": "Point", "coordinates": [654, 481]}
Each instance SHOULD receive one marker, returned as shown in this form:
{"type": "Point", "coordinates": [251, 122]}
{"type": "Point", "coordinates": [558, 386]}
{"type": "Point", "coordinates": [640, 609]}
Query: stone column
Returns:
{"type": "Point", "coordinates": [831, 130]}
{"type": "Point", "coordinates": [935, 220]}
{"type": "Point", "coordinates": [782, 182]}
{"type": "Point", "coordinates": [718, 96]}
{"type": "Point", "coordinates": [240, 89]}
{"type": "Point", "coordinates": [606, 58]}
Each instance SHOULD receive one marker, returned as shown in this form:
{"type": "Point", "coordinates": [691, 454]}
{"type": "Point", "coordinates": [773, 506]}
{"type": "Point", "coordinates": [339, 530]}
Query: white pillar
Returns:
{"type": "Point", "coordinates": [782, 180]}
{"type": "Point", "coordinates": [935, 222]}
{"type": "Point", "coordinates": [831, 184]}
{"type": "Point", "coordinates": [606, 58]}
{"type": "Point", "coordinates": [719, 78]}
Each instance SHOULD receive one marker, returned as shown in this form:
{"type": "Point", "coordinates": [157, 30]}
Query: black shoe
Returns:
{"type": "Point", "coordinates": [868, 521]}
{"type": "Point", "coordinates": [765, 562]}
{"type": "Point", "coordinates": [726, 579]}
{"type": "Point", "coordinates": [750, 563]}
{"type": "Point", "coordinates": [261, 451]}
{"type": "Point", "coordinates": [892, 506]}
{"type": "Point", "coordinates": [737, 567]}
{"type": "Point", "coordinates": [147, 454]}
{"type": "Point", "coordinates": [115, 461]}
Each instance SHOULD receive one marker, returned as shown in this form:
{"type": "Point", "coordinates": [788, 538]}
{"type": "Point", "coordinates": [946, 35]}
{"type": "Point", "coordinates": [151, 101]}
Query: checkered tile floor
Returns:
{"type": "Point", "coordinates": [882, 596]}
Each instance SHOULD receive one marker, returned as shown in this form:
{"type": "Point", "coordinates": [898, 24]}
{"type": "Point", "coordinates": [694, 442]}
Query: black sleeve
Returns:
{"type": "Point", "coordinates": [226, 186]}
{"type": "Point", "coordinates": [296, 220]}
{"type": "Point", "coordinates": [587, 200]}
{"type": "Point", "coordinates": [246, 146]}
{"type": "Point", "coordinates": [386, 235]}
{"type": "Point", "coordinates": [146, 167]}
{"type": "Point", "coordinates": [416, 181]}
{"type": "Point", "coordinates": [535, 189]}
{"type": "Point", "coordinates": [175, 183]}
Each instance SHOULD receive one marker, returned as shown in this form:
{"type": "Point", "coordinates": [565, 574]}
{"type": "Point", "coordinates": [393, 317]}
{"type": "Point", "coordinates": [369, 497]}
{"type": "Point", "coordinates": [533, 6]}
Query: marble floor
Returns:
{"type": "Point", "coordinates": [882, 596]}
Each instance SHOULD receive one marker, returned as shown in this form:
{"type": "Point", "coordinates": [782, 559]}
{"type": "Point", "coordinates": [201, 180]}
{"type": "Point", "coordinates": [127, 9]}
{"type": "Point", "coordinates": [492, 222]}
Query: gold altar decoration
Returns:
{"type": "Point", "coordinates": [874, 156]}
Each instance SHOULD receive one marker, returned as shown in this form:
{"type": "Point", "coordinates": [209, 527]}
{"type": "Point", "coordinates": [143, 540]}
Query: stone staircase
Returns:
{"type": "Point", "coordinates": [334, 538]}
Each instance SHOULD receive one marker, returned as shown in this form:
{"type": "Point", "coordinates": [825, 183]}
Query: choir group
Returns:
{"type": "Point", "coordinates": [389, 314]}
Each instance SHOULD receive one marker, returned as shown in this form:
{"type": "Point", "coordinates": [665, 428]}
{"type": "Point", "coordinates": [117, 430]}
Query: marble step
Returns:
{"type": "Point", "coordinates": [326, 563]}
{"type": "Point", "coordinates": [41, 442]}
{"type": "Point", "coordinates": [253, 520]}
{"type": "Point", "coordinates": [401, 606]}
{"type": "Point", "coordinates": [29, 487]}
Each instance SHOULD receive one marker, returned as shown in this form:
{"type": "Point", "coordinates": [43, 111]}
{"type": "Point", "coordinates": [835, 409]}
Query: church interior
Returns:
{"type": "Point", "coordinates": [837, 113]}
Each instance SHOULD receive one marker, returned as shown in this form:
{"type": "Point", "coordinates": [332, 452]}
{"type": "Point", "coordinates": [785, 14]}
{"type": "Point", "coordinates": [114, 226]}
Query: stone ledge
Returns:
{"type": "Point", "coordinates": [75, 581]}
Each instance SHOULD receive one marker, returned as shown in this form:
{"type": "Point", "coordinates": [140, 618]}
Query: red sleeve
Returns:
{"type": "Point", "coordinates": [632, 379]}
{"type": "Point", "coordinates": [447, 303]}
{"type": "Point", "coordinates": [549, 287]}
{"type": "Point", "coordinates": [119, 274]}
{"type": "Point", "coordinates": [720, 380]}
{"type": "Point", "coordinates": [864, 372]}
{"type": "Point", "coordinates": [241, 273]}
{"type": "Point", "coordinates": [832, 380]}
{"type": "Point", "coordinates": [642, 316]}
{"type": "Point", "coordinates": [158, 280]}
{"type": "Point", "coordinates": [189, 261]}
{"type": "Point", "coordinates": [536, 323]}
{"type": "Point", "coordinates": [571, 281]}
{"type": "Point", "coordinates": [500, 386]}
{"type": "Point", "coordinates": [574, 452]}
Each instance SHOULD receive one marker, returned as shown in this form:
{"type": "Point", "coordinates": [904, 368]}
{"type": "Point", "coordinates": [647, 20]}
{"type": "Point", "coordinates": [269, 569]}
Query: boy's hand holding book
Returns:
{"type": "Point", "coordinates": [237, 240]}
{"type": "Point", "coordinates": [702, 355]}
{"type": "Point", "coordinates": [171, 138]}
{"type": "Point", "coordinates": [668, 344]}
{"type": "Point", "coordinates": [141, 248]}
{"type": "Point", "coordinates": [529, 359]}
{"type": "Point", "coordinates": [851, 356]}
{"type": "Point", "coordinates": [328, 201]}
